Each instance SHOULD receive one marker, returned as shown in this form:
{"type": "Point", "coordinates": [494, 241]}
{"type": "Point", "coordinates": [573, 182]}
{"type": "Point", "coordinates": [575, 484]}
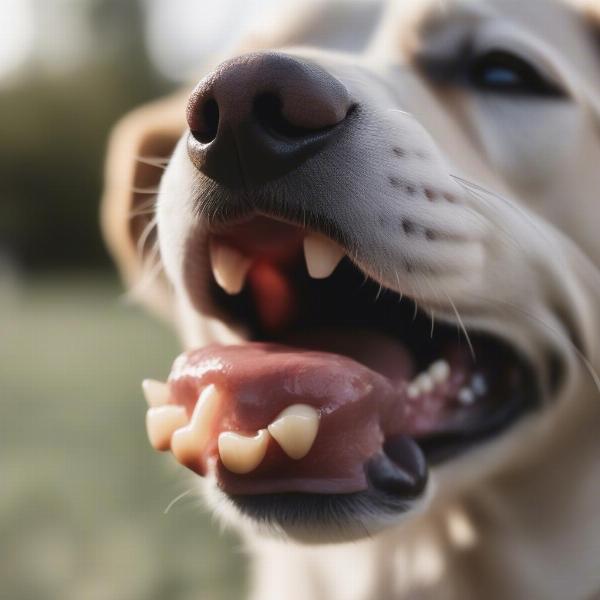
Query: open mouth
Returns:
{"type": "Point", "coordinates": [343, 388]}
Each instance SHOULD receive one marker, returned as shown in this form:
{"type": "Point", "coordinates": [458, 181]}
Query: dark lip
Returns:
{"type": "Point", "coordinates": [300, 514]}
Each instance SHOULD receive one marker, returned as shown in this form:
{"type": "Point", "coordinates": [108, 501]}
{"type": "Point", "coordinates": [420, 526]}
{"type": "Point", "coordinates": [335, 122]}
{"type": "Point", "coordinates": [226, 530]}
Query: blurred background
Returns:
{"type": "Point", "coordinates": [82, 496]}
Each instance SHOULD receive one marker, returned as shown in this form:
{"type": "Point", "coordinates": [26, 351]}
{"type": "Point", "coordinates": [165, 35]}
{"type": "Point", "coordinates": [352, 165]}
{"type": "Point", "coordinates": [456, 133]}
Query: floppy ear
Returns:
{"type": "Point", "coordinates": [138, 151]}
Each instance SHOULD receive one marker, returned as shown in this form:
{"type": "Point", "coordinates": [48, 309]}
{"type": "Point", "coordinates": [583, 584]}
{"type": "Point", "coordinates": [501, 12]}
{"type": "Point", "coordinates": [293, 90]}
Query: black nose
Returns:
{"type": "Point", "coordinates": [259, 116]}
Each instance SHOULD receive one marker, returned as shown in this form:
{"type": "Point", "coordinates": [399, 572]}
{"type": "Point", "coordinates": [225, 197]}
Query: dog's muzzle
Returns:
{"type": "Point", "coordinates": [343, 392]}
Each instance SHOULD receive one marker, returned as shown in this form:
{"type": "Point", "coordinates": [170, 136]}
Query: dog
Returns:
{"type": "Point", "coordinates": [375, 228]}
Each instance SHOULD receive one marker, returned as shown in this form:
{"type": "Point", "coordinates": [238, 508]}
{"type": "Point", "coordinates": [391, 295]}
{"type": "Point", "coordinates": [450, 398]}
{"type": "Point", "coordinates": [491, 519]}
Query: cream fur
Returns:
{"type": "Point", "coordinates": [517, 518]}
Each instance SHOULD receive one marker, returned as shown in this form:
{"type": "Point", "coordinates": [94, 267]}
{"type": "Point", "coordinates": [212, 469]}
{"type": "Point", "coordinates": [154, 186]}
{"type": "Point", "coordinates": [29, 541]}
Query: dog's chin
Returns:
{"type": "Point", "coordinates": [315, 518]}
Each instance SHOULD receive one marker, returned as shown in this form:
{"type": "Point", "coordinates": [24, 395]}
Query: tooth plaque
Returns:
{"type": "Point", "coordinates": [188, 442]}
{"type": "Point", "coordinates": [241, 454]}
{"type": "Point", "coordinates": [295, 430]}
{"type": "Point", "coordinates": [322, 255]}
{"type": "Point", "coordinates": [229, 267]}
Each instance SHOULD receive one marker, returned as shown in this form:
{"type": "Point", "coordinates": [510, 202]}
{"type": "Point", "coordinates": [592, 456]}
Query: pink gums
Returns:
{"type": "Point", "coordinates": [358, 409]}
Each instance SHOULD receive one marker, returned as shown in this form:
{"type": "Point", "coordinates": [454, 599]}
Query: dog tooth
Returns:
{"type": "Point", "coordinates": [161, 422]}
{"type": "Point", "coordinates": [478, 384]}
{"type": "Point", "coordinates": [229, 267]}
{"type": "Point", "coordinates": [466, 396]}
{"type": "Point", "coordinates": [188, 442]}
{"type": "Point", "coordinates": [295, 429]}
{"type": "Point", "coordinates": [155, 392]}
{"type": "Point", "coordinates": [322, 255]}
{"type": "Point", "coordinates": [412, 391]}
{"type": "Point", "coordinates": [240, 453]}
{"type": "Point", "coordinates": [439, 371]}
{"type": "Point", "coordinates": [424, 383]}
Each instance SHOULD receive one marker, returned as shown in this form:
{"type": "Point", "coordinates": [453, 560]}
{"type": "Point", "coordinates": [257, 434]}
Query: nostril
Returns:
{"type": "Point", "coordinates": [206, 123]}
{"type": "Point", "coordinates": [268, 111]}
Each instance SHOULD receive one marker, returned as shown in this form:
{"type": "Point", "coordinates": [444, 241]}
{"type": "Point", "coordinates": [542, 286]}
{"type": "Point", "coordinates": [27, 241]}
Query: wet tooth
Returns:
{"type": "Point", "coordinates": [439, 371]}
{"type": "Point", "coordinates": [322, 255]}
{"type": "Point", "coordinates": [295, 429]}
{"type": "Point", "coordinates": [424, 383]}
{"type": "Point", "coordinates": [188, 442]}
{"type": "Point", "coordinates": [466, 396]}
{"type": "Point", "coordinates": [229, 267]}
{"type": "Point", "coordinates": [161, 422]}
{"type": "Point", "coordinates": [240, 453]}
{"type": "Point", "coordinates": [155, 392]}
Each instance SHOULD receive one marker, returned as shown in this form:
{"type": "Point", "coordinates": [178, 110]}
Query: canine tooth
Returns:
{"type": "Point", "coordinates": [322, 255]}
{"type": "Point", "coordinates": [240, 453]}
{"type": "Point", "coordinates": [188, 442]}
{"type": "Point", "coordinates": [155, 392]}
{"type": "Point", "coordinates": [295, 429]}
{"type": "Point", "coordinates": [439, 371]}
{"type": "Point", "coordinates": [229, 267]}
{"type": "Point", "coordinates": [161, 422]}
{"type": "Point", "coordinates": [424, 383]}
{"type": "Point", "coordinates": [466, 396]}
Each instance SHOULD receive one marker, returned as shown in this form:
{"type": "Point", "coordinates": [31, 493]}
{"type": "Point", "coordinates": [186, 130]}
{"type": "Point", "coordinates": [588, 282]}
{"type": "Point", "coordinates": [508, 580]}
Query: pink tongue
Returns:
{"type": "Point", "coordinates": [358, 406]}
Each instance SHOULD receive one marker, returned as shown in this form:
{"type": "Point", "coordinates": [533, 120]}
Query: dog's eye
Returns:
{"type": "Point", "coordinates": [502, 72]}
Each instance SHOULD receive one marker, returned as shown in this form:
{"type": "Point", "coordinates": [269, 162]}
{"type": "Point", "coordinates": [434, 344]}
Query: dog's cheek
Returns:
{"type": "Point", "coordinates": [521, 144]}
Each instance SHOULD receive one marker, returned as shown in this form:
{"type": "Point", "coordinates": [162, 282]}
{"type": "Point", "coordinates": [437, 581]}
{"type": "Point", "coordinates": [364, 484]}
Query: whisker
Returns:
{"type": "Point", "coordinates": [462, 326]}
{"type": "Point", "coordinates": [506, 202]}
{"type": "Point", "coordinates": [145, 235]}
{"type": "Point", "coordinates": [581, 261]}
{"type": "Point", "coordinates": [140, 213]}
{"type": "Point", "coordinates": [177, 499]}
{"type": "Point", "coordinates": [154, 161]}
{"type": "Point", "coordinates": [153, 190]}
{"type": "Point", "coordinates": [402, 112]}
{"type": "Point", "coordinates": [147, 207]}
{"type": "Point", "coordinates": [563, 337]}
{"type": "Point", "coordinates": [481, 197]}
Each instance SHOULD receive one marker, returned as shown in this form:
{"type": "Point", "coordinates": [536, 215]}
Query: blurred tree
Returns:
{"type": "Point", "coordinates": [53, 128]}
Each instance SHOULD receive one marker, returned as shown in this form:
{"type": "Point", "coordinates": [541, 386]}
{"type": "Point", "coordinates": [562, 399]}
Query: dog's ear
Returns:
{"type": "Point", "coordinates": [138, 151]}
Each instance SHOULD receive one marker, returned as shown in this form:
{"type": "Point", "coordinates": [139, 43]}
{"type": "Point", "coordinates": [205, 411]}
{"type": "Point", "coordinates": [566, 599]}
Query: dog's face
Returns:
{"type": "Point", "coordinates": [374, 257]}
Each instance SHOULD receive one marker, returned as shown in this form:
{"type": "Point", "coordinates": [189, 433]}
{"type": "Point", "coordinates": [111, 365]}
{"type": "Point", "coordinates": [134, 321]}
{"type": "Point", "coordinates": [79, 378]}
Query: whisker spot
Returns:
{"type": "Point", "coordinates": [408, 226]}
{"type": "Point", "coordinates": [430, 194]}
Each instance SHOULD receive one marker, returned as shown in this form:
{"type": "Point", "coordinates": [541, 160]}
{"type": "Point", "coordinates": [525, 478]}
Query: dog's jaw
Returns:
{"type": "Point", "coordinates": [446, 225]}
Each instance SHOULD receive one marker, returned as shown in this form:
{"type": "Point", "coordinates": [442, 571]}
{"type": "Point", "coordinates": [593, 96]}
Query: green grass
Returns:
{"type": "Point", "coordinates": [82, 495]}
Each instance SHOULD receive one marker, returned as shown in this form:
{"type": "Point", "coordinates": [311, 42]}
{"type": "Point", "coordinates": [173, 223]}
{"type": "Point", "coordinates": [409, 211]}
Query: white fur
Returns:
{"type": "Point", "coordinates": [517, 518]}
